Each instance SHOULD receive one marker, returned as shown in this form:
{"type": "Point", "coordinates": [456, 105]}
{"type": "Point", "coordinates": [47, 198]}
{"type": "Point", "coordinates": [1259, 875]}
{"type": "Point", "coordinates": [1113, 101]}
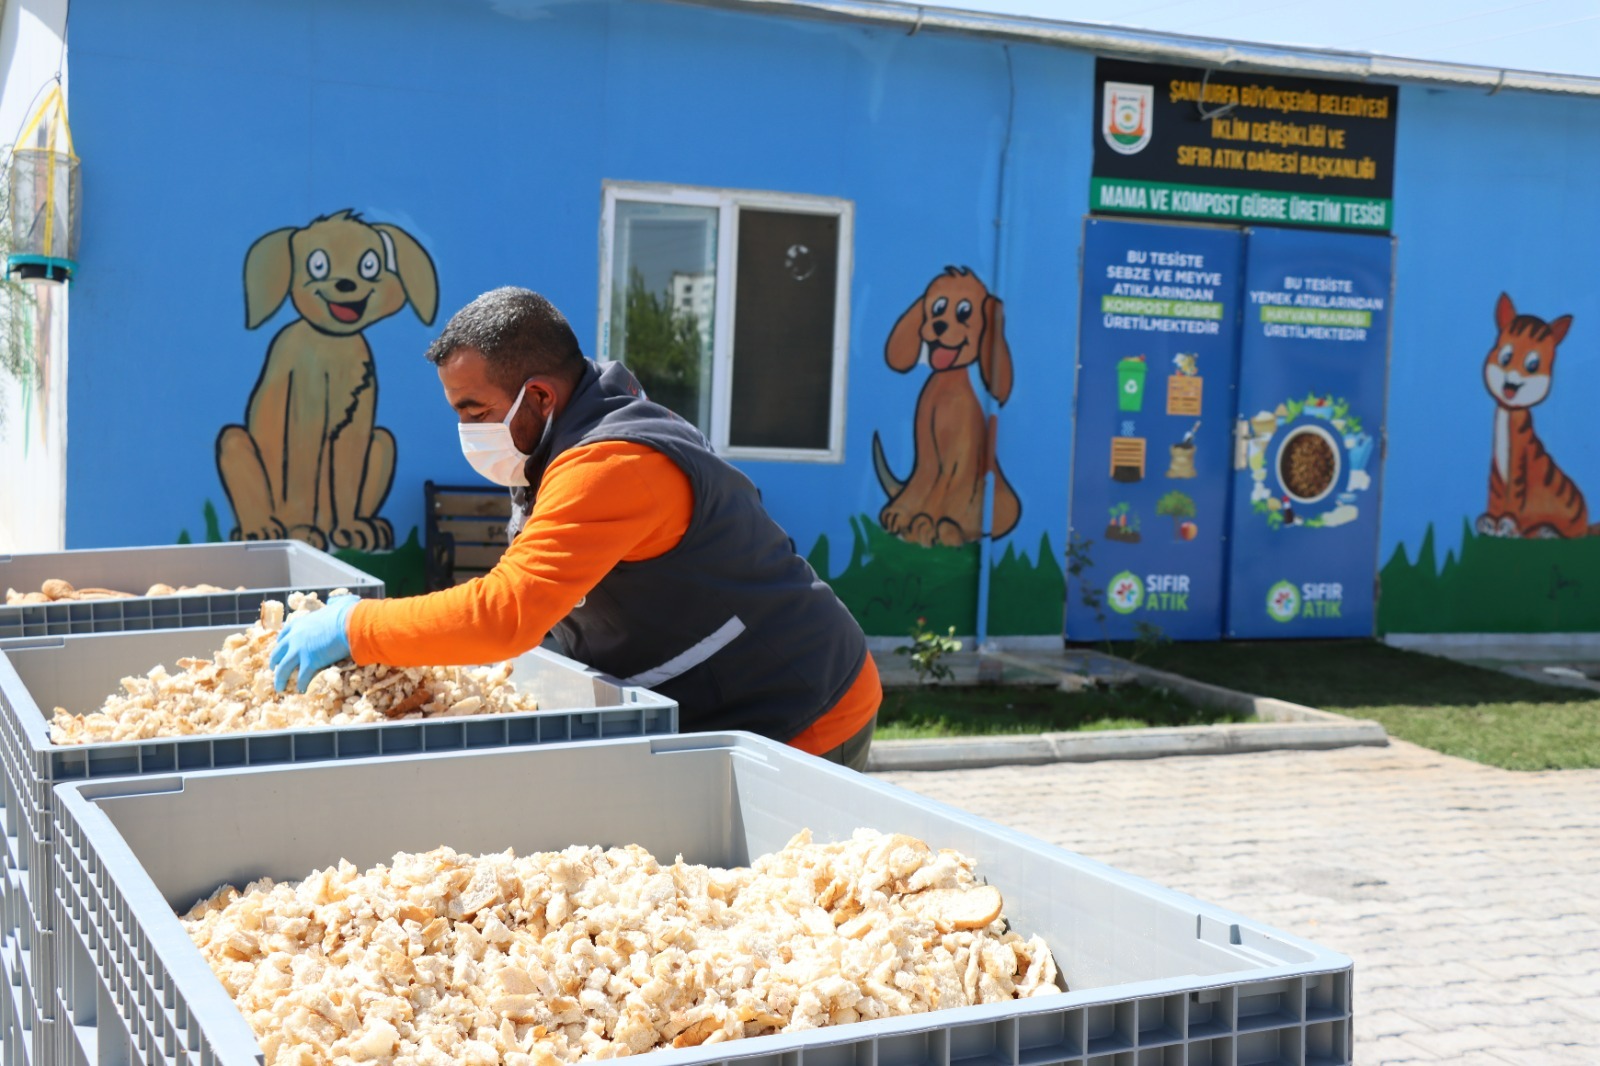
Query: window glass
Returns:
{"type": "Point", "coordinates": [783, 330]}
{"type": "Point", "coordinates": [663, 301]}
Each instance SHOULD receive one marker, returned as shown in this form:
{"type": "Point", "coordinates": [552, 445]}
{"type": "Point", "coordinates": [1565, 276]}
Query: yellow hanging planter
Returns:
{"type": "Point", "coordinates": [46, 197]}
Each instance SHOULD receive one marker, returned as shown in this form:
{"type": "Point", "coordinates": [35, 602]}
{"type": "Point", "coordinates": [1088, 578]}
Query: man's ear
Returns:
{"type": "Point", "coordinates": [267, 273]}
{"type": "Point", "coordinates": [994, 354]}
{"type": "Point", "coordinates": [411, 262]}
{"type": "Point", "coordinates": [904, 347]}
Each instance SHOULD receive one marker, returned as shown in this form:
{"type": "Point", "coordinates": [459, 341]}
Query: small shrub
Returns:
{"type": "Point", "coordinates": [927, 651]}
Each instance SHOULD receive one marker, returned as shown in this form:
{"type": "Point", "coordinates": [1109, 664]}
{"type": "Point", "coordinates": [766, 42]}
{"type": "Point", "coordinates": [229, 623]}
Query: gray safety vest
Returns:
{"type": "Point", "coordinates": [731, 623]}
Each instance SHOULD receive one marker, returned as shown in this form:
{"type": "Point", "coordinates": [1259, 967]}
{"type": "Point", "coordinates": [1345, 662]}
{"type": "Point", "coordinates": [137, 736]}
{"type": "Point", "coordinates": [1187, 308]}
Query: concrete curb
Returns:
{"type": "Point", "coordinates": [1519, 647]}
{"type": "Point", "coordinates": [1517, 654]}
{"type": "Point", "coordinates": [1570, 679]}
{"type": "Point", "coordinates": [1265, 708]}
{"type": "Point", "coordinates": [970, 753]}
{"type": "Point", "coordinates": [1281, 726]}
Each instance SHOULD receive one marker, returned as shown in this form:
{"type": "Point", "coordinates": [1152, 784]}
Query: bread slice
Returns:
{"type": "Point", "coordinates": [950, 909]}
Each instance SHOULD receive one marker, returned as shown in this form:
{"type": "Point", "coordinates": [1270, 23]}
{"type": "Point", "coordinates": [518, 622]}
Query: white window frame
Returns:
{"type": "Point", "coordinates": [728, 202]}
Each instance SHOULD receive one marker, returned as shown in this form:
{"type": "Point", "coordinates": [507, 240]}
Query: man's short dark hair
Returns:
{"type": "Point", "coordinates": [519, 332]}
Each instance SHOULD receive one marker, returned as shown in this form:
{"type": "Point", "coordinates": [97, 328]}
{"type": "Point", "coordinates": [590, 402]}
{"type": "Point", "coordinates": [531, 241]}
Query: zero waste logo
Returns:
{"type": "Point", "coordinates": [1126, 593]}
{"type": "Point", "coordinates": [1283, 602]}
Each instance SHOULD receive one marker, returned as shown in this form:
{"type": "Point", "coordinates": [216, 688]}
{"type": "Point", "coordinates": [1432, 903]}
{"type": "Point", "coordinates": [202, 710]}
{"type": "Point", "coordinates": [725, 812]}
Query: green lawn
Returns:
{"type": "Point", "coordinates": [943, 711]}
{"type": "Point", "coordinates": [1475, 713]}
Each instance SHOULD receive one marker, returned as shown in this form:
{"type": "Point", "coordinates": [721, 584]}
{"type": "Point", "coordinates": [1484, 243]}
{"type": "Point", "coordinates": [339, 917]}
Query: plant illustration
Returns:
{"type": "Point", "coordinates": [1123, 525]}
{"type": "Point", "coordinates": [1178, 507]}
{"type": "Point", "coordinates": [17, 307]}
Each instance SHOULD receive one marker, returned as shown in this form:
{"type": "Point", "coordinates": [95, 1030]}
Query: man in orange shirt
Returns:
{"type": "Point", "coordinates": [646, 556]}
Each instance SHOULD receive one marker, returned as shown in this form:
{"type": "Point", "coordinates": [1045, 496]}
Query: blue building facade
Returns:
{"type": "Point", "coordinates": [451, 146]}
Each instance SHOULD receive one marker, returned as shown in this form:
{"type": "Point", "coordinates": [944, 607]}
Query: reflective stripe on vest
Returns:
{"type": "Point", "coordinates": [688, 660]}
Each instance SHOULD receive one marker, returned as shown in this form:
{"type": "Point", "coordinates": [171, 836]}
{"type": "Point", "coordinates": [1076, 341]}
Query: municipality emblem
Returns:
{"type": "Point", "coordinates": [1127, 117]}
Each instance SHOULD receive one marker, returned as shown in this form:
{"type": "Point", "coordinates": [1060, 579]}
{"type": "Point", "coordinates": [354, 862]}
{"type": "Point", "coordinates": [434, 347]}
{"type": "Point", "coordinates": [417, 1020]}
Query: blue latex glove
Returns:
{"type": "Point", "coordinates": [311, 643]}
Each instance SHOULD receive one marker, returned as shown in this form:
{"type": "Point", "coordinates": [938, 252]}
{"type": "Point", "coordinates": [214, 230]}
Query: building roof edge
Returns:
{"type": "Point", "coordinates": [1156, 46]}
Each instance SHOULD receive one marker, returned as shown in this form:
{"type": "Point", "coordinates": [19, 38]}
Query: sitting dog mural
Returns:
{"type": "Point", "coordinates": [953, 324]}
{"type": "Point", "coordinates": [310, 461]}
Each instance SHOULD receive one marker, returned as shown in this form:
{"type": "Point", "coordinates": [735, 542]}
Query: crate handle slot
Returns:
{"type": "Point", "coordinates": [21, 643]}
{"type": "Point", "coordinates": [116, 788]}
{"type": "Point", "coordinates": [688, 742]}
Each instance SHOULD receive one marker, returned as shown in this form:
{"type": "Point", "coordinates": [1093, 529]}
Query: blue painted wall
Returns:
{"type": "Point", "coordinates": [486, 128]}
{"type": "Point", "coordinates": [213, 125]}
{"type": "Point", "coordinates": [1494, 194]}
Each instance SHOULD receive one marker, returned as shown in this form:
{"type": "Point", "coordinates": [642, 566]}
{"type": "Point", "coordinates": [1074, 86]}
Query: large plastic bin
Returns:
{"type": "Point", "coordinates": [38, 675]}
{"type": "Point", "coordinates": [268, 570]}
{"type": "Point", "coordinates": [16, 1004]}
{"type": "Point", "coordinates": [20, 1036]}
{"type": "Point", "coordinates": [1155, 976]}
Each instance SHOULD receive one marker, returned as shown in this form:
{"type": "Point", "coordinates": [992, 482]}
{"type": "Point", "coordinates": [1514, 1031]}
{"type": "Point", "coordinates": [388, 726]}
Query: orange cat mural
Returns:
{"type": "Point", "coordinates": [1529, 495]}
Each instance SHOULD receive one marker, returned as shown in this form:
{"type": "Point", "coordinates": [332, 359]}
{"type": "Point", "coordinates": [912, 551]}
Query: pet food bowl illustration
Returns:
{"type": "Point", "coordinates": [1308, 463]}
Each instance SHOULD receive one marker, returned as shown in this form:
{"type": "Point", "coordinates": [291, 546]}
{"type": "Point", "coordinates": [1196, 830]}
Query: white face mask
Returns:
{"type": "Point", "coordinates": [490, 450]}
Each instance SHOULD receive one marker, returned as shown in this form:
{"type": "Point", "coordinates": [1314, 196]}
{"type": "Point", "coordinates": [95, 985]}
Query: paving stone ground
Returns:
{"type": "Point", "coordinates": [1469, 897]}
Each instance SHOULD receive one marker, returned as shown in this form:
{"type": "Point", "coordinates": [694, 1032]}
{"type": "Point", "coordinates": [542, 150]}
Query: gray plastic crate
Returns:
{"type": "Point", "coordinates": [23, 1039]}
{"type": "Point", "coordinates": [15, 1048]}
{"type": "Point", "coordinates": [38, 675]}
{"type": "Point", "coordinates": [267, 570]}
{"type": "Point", "coordinates": [1155, 976]}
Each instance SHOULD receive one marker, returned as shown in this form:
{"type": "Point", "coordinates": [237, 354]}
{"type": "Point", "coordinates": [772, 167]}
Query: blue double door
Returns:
{"type": "Point", "coordinates": [1227, 435]}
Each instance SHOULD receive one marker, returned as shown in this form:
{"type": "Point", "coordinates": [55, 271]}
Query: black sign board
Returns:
{"type": "Point", "coordinates": [1225, 146]}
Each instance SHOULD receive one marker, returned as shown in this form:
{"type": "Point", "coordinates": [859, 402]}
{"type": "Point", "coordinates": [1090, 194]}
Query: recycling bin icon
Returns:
{"type": "Point", "coordinates": [1130, 383]}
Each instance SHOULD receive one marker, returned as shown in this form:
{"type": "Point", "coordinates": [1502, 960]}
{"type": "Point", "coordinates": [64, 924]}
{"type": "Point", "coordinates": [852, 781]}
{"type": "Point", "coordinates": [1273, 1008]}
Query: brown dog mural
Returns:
{"type": "Point", "coordinates": [1529, 495]}
{"type": "Point", "coordinates": [310, 461]}
{"type": "Point", "coordinates": [953, 324]}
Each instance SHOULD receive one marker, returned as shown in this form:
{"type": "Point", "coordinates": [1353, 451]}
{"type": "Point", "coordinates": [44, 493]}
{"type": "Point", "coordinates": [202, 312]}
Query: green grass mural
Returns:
{"type": "Point", "coordinates": [888, 584]}
{"type": "Point", "coordinates": [403, 571]}
{"type": "Point", "coordinates": [213, 527]}
{"type": "Point", "coordinates": [1027, 598]}
{"type": "Point", "coordinates": [1496, 585]}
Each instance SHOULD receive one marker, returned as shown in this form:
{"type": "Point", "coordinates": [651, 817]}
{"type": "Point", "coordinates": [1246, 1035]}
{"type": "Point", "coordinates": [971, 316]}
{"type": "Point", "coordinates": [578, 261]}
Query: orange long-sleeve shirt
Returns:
{"type": "Point", "coordinates": [598, 505]}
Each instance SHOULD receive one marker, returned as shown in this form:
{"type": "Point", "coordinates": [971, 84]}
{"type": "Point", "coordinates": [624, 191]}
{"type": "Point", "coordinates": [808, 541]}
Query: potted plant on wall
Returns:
{"type": "Point", "coordinates": [17, 305]}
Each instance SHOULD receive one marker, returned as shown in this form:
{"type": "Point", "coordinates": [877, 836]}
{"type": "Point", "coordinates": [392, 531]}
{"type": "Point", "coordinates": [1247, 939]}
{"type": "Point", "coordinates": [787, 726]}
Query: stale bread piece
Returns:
{"type": "Point", "coordinates": [232, 692]}
{"type": "Point", "coordinates": [561, 957]}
